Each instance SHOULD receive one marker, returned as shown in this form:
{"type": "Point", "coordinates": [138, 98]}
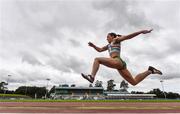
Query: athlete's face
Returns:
{"type": "Point", "coordinates": [109, 38]}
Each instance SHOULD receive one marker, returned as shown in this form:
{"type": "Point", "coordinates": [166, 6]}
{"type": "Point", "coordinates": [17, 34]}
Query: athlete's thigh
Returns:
{"type": "Point", "coordinates": [127, 75]}
{"type": "Point", "coordinates": [110, 62]}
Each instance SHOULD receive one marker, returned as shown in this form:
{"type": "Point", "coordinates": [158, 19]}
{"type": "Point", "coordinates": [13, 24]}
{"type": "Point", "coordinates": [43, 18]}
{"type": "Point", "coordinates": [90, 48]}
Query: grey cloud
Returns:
{"type": "Point", "coordinates": [14, 78]}
{"type": "Point", "coordinates": [30, 76]}
{"type": "Point", "coordinates": [67, 63]}
{"type": "Point", "coordinates": [4, 74]}
{"type": "Point", "coordinates": [123, 13]}
{"type": "Point", "coordinates": [29, 58]}
{"type": "Point", "coordinates": [51, 16]}
{"type": "Point", "coordinates": [150, 54]}
{"type": "Point", "coordinates": [33, 13]}
{"type": "Point", "coordinates": [168, 76]}
{"type": "Point", "coordinates": [173, 46]}
{"type": "Point", "coordinates": [57, 63]}
{"type": "Point", "coordinates": [169, 67]}
{"type": "Point", "coordinates": [159, 51]}
{"type": "Point", "coordinates": [74, 43]}
{"type": "Point", "coordinates": [171, 76]}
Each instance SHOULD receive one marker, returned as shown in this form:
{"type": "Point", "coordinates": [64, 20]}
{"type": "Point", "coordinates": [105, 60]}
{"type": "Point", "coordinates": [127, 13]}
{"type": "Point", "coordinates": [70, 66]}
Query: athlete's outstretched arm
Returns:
{"type": "Point", "coordinates": [126, 37]}
{"type": "Point", "coordinates": [98, 48]}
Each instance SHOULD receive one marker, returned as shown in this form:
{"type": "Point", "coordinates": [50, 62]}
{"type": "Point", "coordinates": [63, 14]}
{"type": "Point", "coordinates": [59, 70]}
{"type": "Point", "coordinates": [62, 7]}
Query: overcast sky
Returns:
{"type": "Point", "coordinates": [42, 39]}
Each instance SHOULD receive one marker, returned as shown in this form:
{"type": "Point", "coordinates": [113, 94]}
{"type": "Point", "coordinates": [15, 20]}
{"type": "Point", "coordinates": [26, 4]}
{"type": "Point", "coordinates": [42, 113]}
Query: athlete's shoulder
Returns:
{"type": "Point", "coordinates": [116, 41]}
{"type": "Point", "coordinates": [119, 39]}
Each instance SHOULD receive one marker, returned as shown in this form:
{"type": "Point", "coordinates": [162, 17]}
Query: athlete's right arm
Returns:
{"type": "Point", "coordinates": [98, 48]}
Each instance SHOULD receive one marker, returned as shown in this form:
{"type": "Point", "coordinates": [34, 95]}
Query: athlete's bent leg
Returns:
{"type": "Point", "coordinates": [109, 62]}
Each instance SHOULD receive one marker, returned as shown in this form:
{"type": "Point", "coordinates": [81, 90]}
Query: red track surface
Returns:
{"type": "Point", "coordinates": [88, 107]}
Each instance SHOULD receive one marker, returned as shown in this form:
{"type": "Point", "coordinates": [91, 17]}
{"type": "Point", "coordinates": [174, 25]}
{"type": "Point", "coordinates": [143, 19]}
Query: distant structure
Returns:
{"type": "Point", "coordinates": [94, 93]}
{"type": "Point", "coordinates": [66, 92]}
{"type": "Point", "coordinates": [126, 95]}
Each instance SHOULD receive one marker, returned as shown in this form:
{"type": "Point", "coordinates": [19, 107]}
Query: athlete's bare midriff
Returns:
{"type": "Point", "coordinates": [114, 55]}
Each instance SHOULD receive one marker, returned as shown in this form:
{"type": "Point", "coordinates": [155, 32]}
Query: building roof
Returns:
{"type": "Point", "coordinates": [116, 92]}
{"type": "Point", "coordinates": [131, 95]}
{"type": "Point", "coordinates": [97, 88]}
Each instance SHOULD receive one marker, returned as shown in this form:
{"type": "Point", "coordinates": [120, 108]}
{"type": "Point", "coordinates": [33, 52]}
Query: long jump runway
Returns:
{"type": "Point", "coordinates": [89, 107]}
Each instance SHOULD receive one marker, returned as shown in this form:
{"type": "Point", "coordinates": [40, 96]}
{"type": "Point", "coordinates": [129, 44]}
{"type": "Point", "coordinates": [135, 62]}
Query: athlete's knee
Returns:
{"type": "Point", "coordinates": [134, 83]}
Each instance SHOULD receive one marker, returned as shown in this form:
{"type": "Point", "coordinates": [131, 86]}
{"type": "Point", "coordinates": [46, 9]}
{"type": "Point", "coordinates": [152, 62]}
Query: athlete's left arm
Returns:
{"type": "Point", "coordinates": [132, 35]}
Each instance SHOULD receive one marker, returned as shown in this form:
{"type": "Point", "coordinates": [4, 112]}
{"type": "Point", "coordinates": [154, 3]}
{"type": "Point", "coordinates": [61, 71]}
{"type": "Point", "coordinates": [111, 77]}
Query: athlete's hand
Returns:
{"type": "Point", "coordinates": [146, 31]}
{"type": "Point", "coordinates": [91, 44]}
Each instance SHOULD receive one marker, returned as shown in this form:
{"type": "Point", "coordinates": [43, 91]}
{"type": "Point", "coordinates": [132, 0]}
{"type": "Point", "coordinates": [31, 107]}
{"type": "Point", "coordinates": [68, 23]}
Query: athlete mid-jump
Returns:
{"type": "Point", "coordinates": [115, 61]}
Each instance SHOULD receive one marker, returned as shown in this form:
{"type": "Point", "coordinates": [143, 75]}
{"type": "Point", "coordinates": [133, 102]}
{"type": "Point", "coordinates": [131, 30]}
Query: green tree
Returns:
{"type": "Point", "coordinates": [124, 86]}
{"type": "Point", "coordinates": [52, 90]}
{"type": "Point", "coordinates": [73, 85]}
{"type": "Point", "coordinates": [137, 92]}
{"type": "Point", "coordinates": [31, 91]}
{"type": "Point", "coordinates": [110, 85]}
{"type": "Point", "coordinates": [98, 83]}
{"type": "Point", "coordinates": [90, 85]}
{"type": "Point", "coordinates": [158, 93]}
{"type": "Point", "coordinates": [172, 95]}
{"type": "Point", "coordinates": [3, 87]}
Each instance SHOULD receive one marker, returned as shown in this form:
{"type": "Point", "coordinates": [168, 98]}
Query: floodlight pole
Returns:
{"type": "Point", "coordinates": [7, 84]}
{"type": "Point", "coordinates": [47, 87]}
{"type": "Point", "coordinates": [163, 88]}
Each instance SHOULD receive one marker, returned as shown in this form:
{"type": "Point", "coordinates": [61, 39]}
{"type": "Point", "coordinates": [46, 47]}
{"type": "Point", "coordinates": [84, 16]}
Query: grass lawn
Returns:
{"type": "Point", "coordinates": [43, 100]}
{"type": "Point", "coordinates": [3, 97]}
{"type": "Point", "coordinates": [11, 95]}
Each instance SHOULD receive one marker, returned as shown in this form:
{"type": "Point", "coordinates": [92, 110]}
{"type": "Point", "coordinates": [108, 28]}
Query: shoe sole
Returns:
{"type": "Point", "coordinates": [85, 77]}
{"type": "Point", "coordinates": [156, 70]}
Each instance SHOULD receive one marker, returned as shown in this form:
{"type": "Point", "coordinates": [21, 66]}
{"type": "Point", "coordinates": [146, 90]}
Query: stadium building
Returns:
{"type": "Point", "coordinates": [78, 93]}
{"type": "Point", "coordinates": [94, 93]}
{"type": "Point", "coordinates": [127, 95]}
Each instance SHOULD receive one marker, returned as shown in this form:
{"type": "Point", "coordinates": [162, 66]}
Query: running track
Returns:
{"type": "Point", "coordinates": [89, 107]}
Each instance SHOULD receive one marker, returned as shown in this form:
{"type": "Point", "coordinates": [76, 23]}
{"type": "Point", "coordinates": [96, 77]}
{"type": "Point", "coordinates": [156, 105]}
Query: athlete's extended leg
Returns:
{"type": "Point", "coordinates": [134, 81]}
{"type": "Point", "coordinates": [109, 62]}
